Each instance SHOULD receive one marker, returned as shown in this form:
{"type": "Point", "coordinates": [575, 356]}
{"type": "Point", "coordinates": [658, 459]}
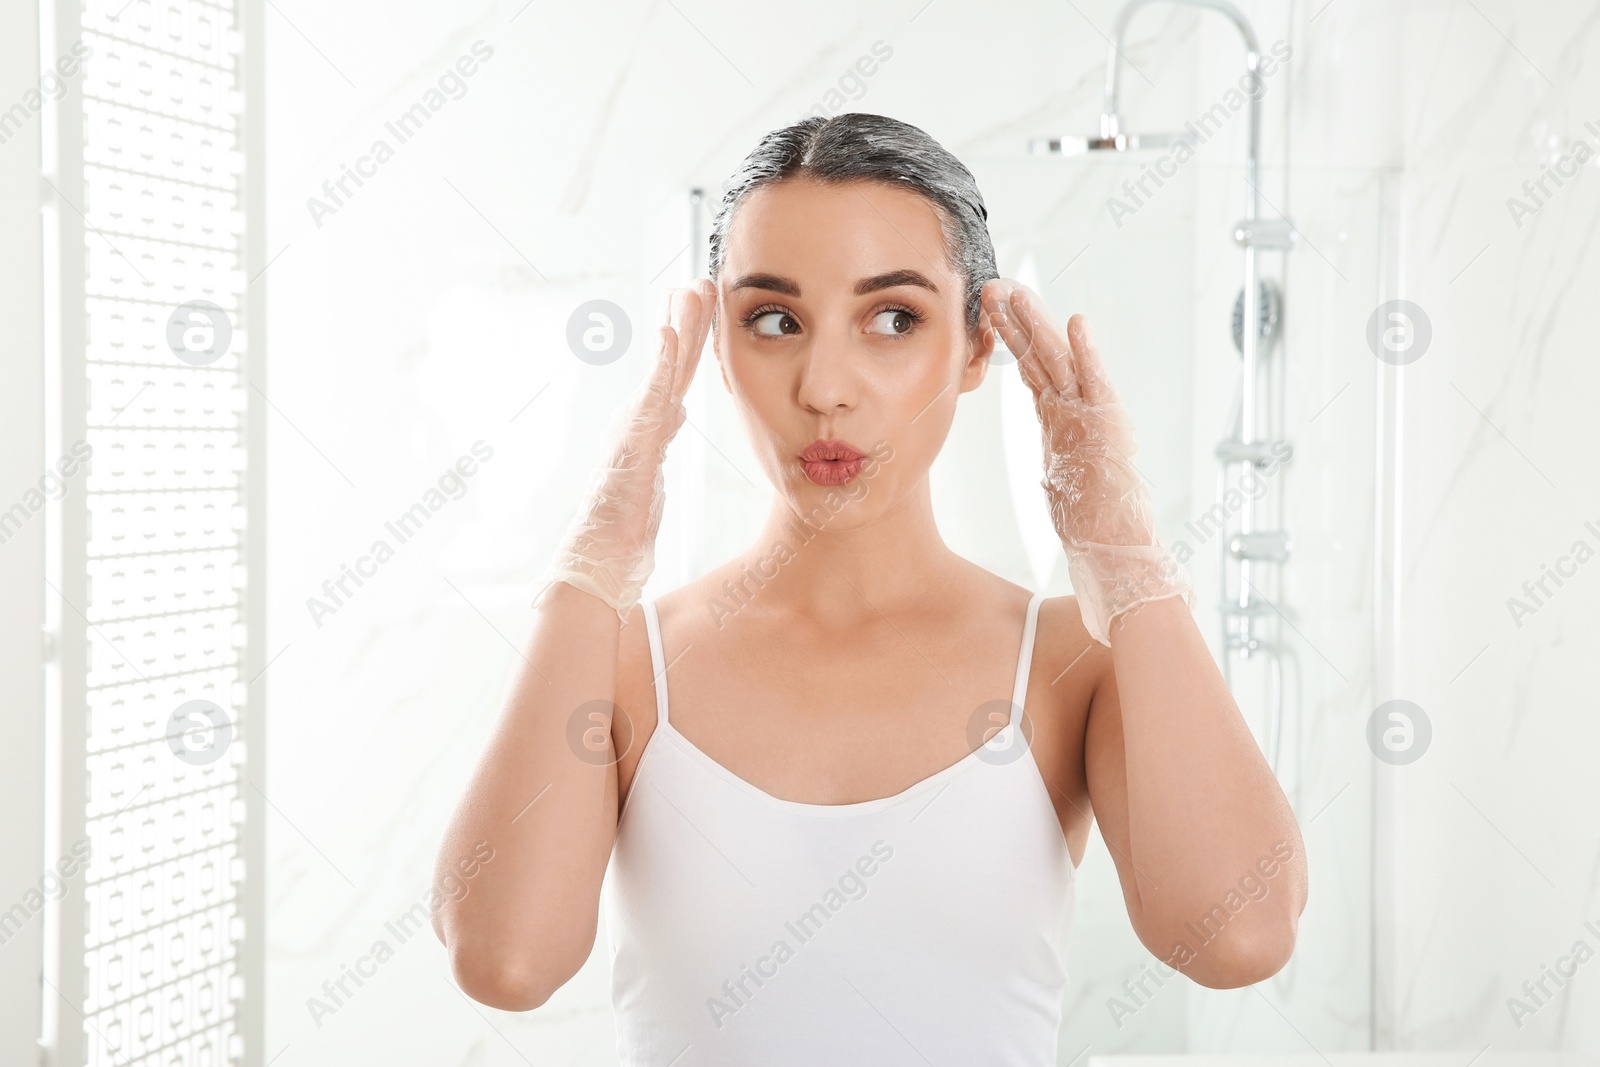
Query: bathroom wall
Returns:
{"type": "Point", "coordinates": [1402, 147]}
{"type": "Point", "coordinates": [1322, 602]}
{"type": "Point", "coordinates": [1496, 831]}
{"type": "Point", "coordinates": [426, 312]}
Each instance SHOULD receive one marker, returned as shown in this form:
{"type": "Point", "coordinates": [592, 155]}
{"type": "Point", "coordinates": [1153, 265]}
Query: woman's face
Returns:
{"type": "Point", "coordinates": [839, 317]}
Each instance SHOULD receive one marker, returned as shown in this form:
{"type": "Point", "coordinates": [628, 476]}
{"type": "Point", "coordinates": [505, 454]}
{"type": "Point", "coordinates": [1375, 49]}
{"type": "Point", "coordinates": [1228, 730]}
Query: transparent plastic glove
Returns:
{"type": "Point", "coordinates": [1099, 504]}
{"type": "Point", "coordinates": [609, 548]}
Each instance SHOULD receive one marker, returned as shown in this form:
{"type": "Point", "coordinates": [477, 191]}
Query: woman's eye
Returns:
{"type": "Point", "coordinates": [895, 321]}
{"type": "Point", "coordinates": [778, 318]}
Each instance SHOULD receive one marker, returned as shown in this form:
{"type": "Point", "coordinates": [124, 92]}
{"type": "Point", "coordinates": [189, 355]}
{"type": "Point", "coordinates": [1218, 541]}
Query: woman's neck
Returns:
{"type": "Point", "coordinates": [830, 565]}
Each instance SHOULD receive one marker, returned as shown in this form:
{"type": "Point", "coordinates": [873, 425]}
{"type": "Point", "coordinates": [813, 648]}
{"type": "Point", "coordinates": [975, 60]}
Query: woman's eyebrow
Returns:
{"type": "Point", "coordinates": [892, 279]}
{"type": "Point", "coordinates": [774, 282]}
{"type": "Point", "coordinates": [787, 286]}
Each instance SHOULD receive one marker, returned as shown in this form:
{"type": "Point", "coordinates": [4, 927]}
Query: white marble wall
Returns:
{"type": "Point", "coordinates": [428, 313]}
{"type": "Point", "coordinates": [1497, 831]}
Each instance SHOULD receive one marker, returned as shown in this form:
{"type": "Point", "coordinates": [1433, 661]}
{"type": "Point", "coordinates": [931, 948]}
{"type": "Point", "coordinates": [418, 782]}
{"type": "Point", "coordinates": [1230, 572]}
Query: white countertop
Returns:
{"type": "Point", "coordinates": [1508, 1058]}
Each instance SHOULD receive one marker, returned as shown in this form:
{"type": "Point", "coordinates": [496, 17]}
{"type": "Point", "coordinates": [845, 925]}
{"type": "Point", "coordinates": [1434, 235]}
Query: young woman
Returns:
{"type": "Point", "coordinates": [850, 834]}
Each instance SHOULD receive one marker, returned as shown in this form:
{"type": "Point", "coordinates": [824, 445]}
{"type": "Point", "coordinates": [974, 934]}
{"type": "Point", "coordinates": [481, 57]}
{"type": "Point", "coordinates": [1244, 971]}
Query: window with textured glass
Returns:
{"type": "Point", "coordinates": [160, 633]}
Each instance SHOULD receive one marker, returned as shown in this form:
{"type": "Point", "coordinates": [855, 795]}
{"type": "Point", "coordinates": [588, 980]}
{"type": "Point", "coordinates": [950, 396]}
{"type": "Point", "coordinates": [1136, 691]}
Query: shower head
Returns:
{"type": "Point", "coordinates": [1112, 138]}
{"type": "Point", "coordinates": [1069, 145]}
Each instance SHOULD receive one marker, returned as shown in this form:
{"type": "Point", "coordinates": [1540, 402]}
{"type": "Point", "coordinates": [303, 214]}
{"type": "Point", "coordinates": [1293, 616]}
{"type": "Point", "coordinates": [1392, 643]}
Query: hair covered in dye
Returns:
{"type": "Point", "coordinates": [855, 146]}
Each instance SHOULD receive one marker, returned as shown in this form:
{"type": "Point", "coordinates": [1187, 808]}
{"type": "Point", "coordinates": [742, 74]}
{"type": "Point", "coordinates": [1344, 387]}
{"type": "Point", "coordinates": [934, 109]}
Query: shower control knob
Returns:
{"type": "Point", "coordinates": [1265, 233]}
{"type": "Point", "coordinates": [1259, 453]}
{"type": "Point", "coordinates": [1272, 545]}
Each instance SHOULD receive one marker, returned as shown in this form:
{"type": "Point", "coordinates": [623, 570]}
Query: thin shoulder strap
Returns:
{"type": "Point", "coordinates": [652, 626]}
{"type": "Point", "coordinates": [1025, 657]}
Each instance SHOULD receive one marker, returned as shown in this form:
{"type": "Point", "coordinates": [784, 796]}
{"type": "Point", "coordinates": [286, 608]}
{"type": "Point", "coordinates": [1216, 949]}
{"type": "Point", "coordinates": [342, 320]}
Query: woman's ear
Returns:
{"type": "Point", "coordinates": [980, 348]}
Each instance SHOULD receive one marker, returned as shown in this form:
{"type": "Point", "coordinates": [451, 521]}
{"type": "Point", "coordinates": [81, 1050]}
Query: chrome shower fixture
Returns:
{"type": "Point", "coordinates": [1266, 315]}
{"type": "Point", "coordinates": [1112, 137]}
{"type": "Point", "coordinates": [1252, 445]}
{"type": "Point", "coordinates": [1068, 145]}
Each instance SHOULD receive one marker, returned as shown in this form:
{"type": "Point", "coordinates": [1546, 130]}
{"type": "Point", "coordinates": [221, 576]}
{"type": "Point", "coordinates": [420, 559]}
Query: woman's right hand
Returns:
{"type": "Point", "coordinates": [609, 549]}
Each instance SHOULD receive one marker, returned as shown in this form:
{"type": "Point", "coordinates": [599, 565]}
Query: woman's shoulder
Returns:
{"type": "Point", "coordinates": [1063, 641]}
{"type": "Point", "coordinates": [983, 591]}
{"type": "Point", "coordinates": [1059, 617]}
{"type": "Point", "coordinates": [1067, 663]}
{"type": "Point", "coordinates": [704, 605]}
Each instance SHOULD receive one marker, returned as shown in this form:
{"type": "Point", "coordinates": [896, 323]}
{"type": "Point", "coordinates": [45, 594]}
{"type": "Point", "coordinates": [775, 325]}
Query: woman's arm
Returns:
{"type": "Point", "coordinates": [526, 922]}
{"type": "Point", "coordinates": [542, 804]}
{"type": "Point", "coordinates": [1211, 861]}
{"type": "Point", "coordinates": [1206, 846]}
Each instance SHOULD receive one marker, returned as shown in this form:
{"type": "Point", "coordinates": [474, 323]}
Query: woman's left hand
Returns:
{"type": "Point", "coordinates": [1096, 494]}
{"type": "Point", "coordinates": [1100, 506]}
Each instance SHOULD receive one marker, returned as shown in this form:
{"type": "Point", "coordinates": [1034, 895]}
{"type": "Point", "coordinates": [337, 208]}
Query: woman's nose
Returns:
{"type": "Point", "coordinates": [828, 381]}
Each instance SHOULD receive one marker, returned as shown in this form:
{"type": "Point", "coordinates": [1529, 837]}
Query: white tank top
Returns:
{"type": "Point", "coordinates": [930, 926]}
